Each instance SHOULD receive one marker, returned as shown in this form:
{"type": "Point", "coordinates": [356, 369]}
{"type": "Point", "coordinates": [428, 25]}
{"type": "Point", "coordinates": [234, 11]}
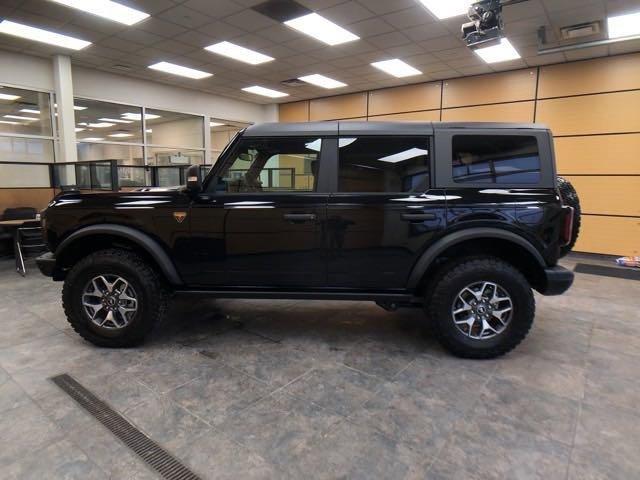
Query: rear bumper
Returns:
{"type": "Point", "coordinates": [557, 280]}
{"type": "Point", "coordinates": [46, 264]}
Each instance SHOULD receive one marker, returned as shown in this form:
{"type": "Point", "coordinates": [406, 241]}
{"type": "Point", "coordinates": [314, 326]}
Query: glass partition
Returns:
{"type": "Point", "coordinates": [165, 156]}
{"type": "Point", "coordinates": [123, 154]}
{"type": "Point", "coordinates": [174, 129]}
{"type": "Point", "coordinates": [25, 112]}
{"type": "Point", "coordinates": [111, 122]}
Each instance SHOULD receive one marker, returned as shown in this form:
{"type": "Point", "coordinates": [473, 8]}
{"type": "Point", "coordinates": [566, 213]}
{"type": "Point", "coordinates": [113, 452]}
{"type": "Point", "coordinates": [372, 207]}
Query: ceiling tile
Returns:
{"type": "Point", "coordinates": [411, 17]}
{"type": "Point", "coordinates": [185, 17]}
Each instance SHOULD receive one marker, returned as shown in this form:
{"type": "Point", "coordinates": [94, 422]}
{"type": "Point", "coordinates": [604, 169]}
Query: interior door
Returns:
{"type": "Point", "coordinates": [383, 213]}
{"type": "Point", "coordinates": [260, 224]}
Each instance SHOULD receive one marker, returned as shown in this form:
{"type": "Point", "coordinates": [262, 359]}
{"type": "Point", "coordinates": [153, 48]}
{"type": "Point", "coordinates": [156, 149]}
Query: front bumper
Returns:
{"type": "Point", "coordinates": [46, 264]}
{"type": "Point", "coordinates": [557, 280]}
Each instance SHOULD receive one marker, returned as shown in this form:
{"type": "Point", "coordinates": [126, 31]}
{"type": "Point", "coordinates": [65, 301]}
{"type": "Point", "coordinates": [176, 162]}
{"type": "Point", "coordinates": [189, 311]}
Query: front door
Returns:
{"type": "Point", "coordinates": [383, 213]}
{"type": "Point", "coordinates": [259, 222]}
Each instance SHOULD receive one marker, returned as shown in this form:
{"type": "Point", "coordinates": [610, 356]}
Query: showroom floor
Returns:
{"type": "Point", "coordinates": [286, 389]}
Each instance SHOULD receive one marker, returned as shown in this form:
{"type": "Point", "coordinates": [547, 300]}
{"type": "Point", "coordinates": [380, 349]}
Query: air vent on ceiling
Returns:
{"type": "Point", "coordinates": [118, 66]}
{"type": "Point", "coordinates": [294, 82]}
{"type": "Point", "coordinates": [580, 30]}
{"type": "Point", "coordinates": [281, 10]}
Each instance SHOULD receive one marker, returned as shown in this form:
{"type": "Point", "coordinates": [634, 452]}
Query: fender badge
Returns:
{"type": "Point", "coordinates": [179, 216]}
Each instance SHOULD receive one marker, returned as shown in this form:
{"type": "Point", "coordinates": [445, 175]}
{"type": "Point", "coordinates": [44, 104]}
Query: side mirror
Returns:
{"type": "Point", "coordinates": [194, 179]}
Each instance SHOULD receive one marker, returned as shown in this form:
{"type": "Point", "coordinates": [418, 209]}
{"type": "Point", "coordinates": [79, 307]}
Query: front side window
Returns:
{"type": "Point", "coordinates": [383, 164]}
{"type": "Point", "coordinates": [500, 159]}
{"type": "Point", "coordinates": [271, 165]}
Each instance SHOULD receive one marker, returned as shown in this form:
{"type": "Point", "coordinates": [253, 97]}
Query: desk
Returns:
{"type": "Point", "coordinates": [13, 226]}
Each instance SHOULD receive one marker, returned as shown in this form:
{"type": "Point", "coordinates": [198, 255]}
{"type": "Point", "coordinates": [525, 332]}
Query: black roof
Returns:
{"type": "Point", "coordinates": [372, 128]}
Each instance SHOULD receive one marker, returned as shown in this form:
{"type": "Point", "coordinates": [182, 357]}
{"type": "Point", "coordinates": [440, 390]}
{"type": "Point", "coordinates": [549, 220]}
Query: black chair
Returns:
{"type": "Point", "coordinates": [29, 240]}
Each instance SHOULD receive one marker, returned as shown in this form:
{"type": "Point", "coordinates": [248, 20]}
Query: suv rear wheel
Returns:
{"type": "Point", "coordinates": [481, 307]}
{"type": "Point", "coordinates": [112, 298]}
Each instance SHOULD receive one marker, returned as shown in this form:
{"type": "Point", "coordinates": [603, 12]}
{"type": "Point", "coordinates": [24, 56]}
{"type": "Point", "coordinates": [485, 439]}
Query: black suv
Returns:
{"type": "Point", "coordinates": [462, 219]}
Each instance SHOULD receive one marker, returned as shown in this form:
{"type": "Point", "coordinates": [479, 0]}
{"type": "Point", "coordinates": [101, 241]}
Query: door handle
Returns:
{"type": "Point", "coordinates": [417, 217]}
{"type": "Point", "coordinates": [299, 217]}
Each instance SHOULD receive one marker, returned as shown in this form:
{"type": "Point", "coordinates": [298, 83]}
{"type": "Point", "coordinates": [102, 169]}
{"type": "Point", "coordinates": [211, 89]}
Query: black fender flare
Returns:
{"type": "Point", "coordinates": [144, 241]}
{"type": "Point", "coordinates": [444, 243]}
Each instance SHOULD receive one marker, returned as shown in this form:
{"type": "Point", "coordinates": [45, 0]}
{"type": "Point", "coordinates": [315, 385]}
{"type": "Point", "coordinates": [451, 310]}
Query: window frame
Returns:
{"type": "Point", "coordinates": [429, 137]}
{"type": "Point", "coordinates": [328, 145]}
{"type": "Point", "coordinates": [444, 152]}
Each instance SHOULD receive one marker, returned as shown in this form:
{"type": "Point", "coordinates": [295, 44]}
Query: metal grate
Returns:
{"type": "Point", "coordinates": [155, 456]}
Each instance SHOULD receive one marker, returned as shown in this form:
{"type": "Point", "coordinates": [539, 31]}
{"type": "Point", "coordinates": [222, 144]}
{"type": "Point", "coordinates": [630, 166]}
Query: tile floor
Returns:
{"type": "Point", "coordinates": [292, 389]}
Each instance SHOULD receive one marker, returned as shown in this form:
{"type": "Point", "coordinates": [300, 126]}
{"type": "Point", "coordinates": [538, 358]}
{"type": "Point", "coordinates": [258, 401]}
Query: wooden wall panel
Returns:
{"type": "Point", "coordinates": [504, 112]}
{"type": "Point", "coordinates": [609, 235]}
{"type": "Point", "coordinates": [344, 106]}
{"type": "Point", "coordinates": [591, 114]}
{"type": "Point", "coordinates": [25, 197]}
{"type": "Point", "coordinates": [493, 88]}
{"type": "Point", "coordinates": [591, 76]}
{"type": "Point", "coordinates": [608, 195]}
{"type": "Point", "coordinates": [424, 96]}
{"type": "Point", "coordinates": [599, 154]}
{"type": "Point", "coordinates": [426, 116]}
{"type": "Point", "coordinates": [294, 112]}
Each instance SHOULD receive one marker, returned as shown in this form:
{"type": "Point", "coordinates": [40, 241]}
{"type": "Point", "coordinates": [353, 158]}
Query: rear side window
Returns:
{"type": "Point", "coordinates": [500, 159]}
{"type": "Point", "coordinates": [383, 164]}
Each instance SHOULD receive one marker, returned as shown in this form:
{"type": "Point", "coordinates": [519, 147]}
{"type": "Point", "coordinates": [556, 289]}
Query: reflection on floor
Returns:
{"type": "Point", "coordinates": [278, 389]}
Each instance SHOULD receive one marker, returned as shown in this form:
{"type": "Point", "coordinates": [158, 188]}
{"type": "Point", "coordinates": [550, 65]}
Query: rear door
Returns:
{"type": "Point", "coordinates": [383, 211]}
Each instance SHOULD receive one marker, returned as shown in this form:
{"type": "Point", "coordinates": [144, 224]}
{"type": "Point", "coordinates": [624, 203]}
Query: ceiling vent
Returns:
{"type": "Point", "coordinates": [294, 82]}
{"type": "Point", "coordinates": [581, 30]}
{"type": "Point", "coordinates": [118, 66]}
{"type": "Point", "coordinates": [281, 10]}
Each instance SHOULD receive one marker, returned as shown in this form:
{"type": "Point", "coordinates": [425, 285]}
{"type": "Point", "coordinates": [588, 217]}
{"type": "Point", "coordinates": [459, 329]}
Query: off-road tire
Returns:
{"type": "Point", "coordinates": [153, 297]}
{"type": "Point", "coordinates": [455, 276]}
{"type": "Point", "coordinates": [570, 198]}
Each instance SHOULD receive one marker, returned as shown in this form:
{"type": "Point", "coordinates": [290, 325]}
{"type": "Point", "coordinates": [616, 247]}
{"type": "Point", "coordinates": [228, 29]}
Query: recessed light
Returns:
{"type": "Point", "coordinates": [138, 116]}
{"type": "Point", "coordinates": [180, 70]}
{"type": "Point", "coordinates": [396, 67]}
{"type": "Point", "coordinates": [265, 92]}
{"type": "Point", "coordinates": [624, 25]}
{"type": "Point", "coordinates": [6, 96]}
{"type": "Point", "coordinates": [107, 9]}
{"type": "Point", "coordinates": [7, 122]}
{"type": "Point", "coordinates": [498, 53]}
{"type": "Point", "coordinates": [447, 8]}
{"type": "Point", "coordinates": [18, 117]}
{"type": "Point", "coordinates": [101, 125]}
{"type": "Point", "coordinates": [320, 28]}
{"type": "Point", "coordinates": [120, 135]}
{"type": "Point", "coordinates": [92, 139]}
{"type": "Point", "coordinates": [40, 35]}
{"type": "Point", "coordinates": [237, 52]}
{"type": "Point", "coordinates": [115, 120]}
{"type": "Point", "coordinates": [30, 110]}
{"type": "Point", "coordinates": [216, 124]}
{"type": "Point", "coordinates": [322, 81]}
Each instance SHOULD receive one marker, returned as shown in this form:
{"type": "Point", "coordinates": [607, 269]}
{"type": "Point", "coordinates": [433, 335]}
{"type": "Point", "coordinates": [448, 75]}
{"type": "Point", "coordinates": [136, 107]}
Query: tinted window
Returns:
{"type": "Point", "coordinates": [383, 164]}
{"type": "Point", "coordinates": [495, 159]}
{"type": "Point", "coordinates": [272, 164]}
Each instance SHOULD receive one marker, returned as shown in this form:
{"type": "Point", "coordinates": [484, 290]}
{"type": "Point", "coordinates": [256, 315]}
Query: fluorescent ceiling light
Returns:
{"type": "Point", "coordinates": [322, 81]}
{"type": "Point", "coordinates": [149, 130]}
{"type": "Point", "coordinates": [107, 9]}
{"type": "Point", "coordinates": [75, 107]}
{"type": "Point", "coordinates": [624, 25]}
{"type": "Point", "coordinates": [115, 120]}
{"type": "Point", "coordinates": [18, 117]}
{"type": "Point", "coordinates": [447, 8]}
{"type": "Point", "coordinates": [396, 67]}
{"type": "Point", "coordinates": [43, 36]}
{"type": "Point", "coordinates": [30, 110]}
{"type": "Point", "coordinates": [237, 52]}
{"type": "Point", "coordinates": [138, 116]}
{"type": "Point", "coordinates": [10, 123]}
{"type": "Point", "coordinates": [79, 129]}
{"type": "Point", "coordinates": [498, 53]}
{"type": "Point", "coordinates": [321, 29]}
{"type": "Point", "coordinates": [6, 96]}
{"type": "Point", "coordinates": [121, 135]}
{"type": "Point", "coordinates": [216, 124]}
{"type": "Point", "coordinates": [92, 139]}
{"type": "Point", "coordinates": [180, 70]}
{"type": "Point", "coordinates": [101, 125]}
{"type": "Point", "coordinates": [265, 92]}
{"type": "Point", "coordinates": [406, 155]}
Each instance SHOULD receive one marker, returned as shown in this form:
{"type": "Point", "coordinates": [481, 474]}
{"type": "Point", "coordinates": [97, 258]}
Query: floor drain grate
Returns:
{"type": "Point", "coordinates": [156, 457]}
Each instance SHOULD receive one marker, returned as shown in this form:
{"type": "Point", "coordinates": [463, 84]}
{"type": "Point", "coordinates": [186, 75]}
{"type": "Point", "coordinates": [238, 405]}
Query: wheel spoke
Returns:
{"type": "Point", "coordinates": [482, 310]}
{"type": "Point", "coordinates": [110, 301]}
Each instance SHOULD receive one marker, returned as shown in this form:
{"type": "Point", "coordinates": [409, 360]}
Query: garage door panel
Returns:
{"type": "Point", "coordinates": [505, 112]}
{"type": "Point", "coordinates": [426, 116]}
{"type": "Point", "coordinates": [425, 96]}
{"type": "Point", "coordinates": [343, 106]}
{"type": "Point", "coordinates": [294, 112]}
{"type": "Point", "coordinates": [609, 235]}
{"type": "Point", "coordinates": [493, 88]}
{"type": "Point", "coordinates": [599, 154]}
{"type": "Point", "coordinates": [608, 195]}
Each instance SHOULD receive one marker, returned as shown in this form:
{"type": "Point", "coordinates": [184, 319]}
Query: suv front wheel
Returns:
{"type": "Point", "coordinates": [480, 307]}
{"type": "Point", "coordinates": [113, 298]}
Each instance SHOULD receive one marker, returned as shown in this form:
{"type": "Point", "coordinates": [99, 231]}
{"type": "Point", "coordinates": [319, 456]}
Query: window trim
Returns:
{"type": "Point", "coordinates": [444, 147]}
{"type": "Point", "coordinates": [430, 142]}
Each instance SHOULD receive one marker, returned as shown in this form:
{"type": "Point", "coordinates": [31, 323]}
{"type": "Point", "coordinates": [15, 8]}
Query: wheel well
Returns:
{"type": "Point", "coordinates": [86, 245]}
{"type": "Point", "coordinates": [510, 252]}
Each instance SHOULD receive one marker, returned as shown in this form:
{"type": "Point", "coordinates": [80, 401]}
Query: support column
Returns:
{"type": "Point", "coordinates": [63, 84]}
